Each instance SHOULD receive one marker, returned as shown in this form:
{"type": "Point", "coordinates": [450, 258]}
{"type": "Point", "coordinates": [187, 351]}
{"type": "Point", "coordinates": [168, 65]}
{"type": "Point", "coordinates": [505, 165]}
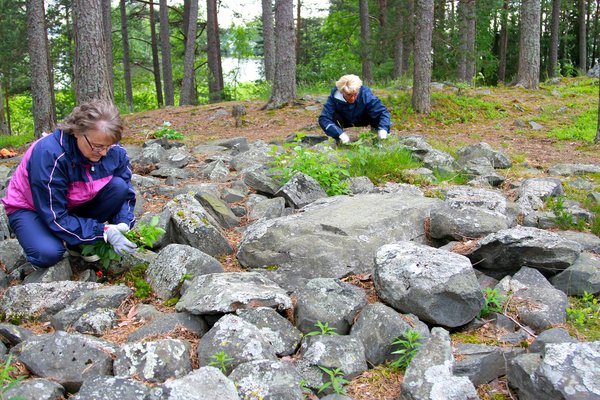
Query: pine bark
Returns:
{"type": "Point", "coordinates": [466, 60]}
{"type": "Point", "coordinates": [3, 126]}
{"type": "Point", "coordinates": [503, 43]}
{"type": "Point", "coordinates": [165, 46]}
{"type": "Point", "coordinates": [421, 97]}
{"type": "Point", "coordinates": [268, 39]}
{"type": "Point", "coordinates": [399, 41]}
{"type": "Point", "coordinates": [155, 61]}
{"type": "Point", "coordinates": [284, 82]}
{"type": "Point", "coordinates": [126, 63]}
{"type": "Point", "coordinates": [215, 71]}
{"type": "Point", "coordinates": [528, 74]}
{"type": "Point", "coordinates": [91, 72]}
{"type": "Point", "coordinates": [107, 25]}
{"type": "Point", "coordinates": [42, 92]}
{"type": "Point", "coordinates": [554, 39]}
{"type": "Point", "coordinates": [409, 36]}
{"type": "Point", "coordinates": [188, 90]}
{"type": "Point", "coordinates": [365, 41]}
{"type": "Point", "coordinates": [582, 35]}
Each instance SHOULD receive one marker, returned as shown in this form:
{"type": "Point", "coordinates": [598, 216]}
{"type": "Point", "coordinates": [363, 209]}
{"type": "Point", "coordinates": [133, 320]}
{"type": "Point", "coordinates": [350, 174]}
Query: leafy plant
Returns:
{"type": "Point", "coordinates": [135, 277]}
{"type": "Point", "coordinates": [409, 345]}
{"type": "Point", "coordinates": [326, 169]}
{"type": "Point", "coordinates": [7, 381]}
{"type": "Point", "coordinates": [585, 310]}
{"type": "Point", "coordinates": [166, 131]}
{"type": "Point", "coordinates": [562, 216]}
{"type": "Point", "coordinates": [324, 329]}
{"type": "Point", "coordinates": [220, 360]}
{"type": "Point", "coordinates": [493, 302]}
{"type": "Point", "coordinates": [336, 380]}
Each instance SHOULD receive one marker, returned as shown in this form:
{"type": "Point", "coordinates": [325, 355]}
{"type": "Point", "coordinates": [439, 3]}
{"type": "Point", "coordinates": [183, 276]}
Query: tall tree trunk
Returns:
{"type": "Point", "coordinates": [165, 45]}
{"type": "Point", "coordinates": [215, 71]}
{"type": "Point", "coordinates": [155, 61]}
{"type": "Point", "coordinates": [268, 39]}
{"type": "Point", "coordinates": [126, 63]}
{"type": "Point", "coordinates": [107, 25]}
{"type": "Point", "coordinates": [70, 40]}
{"type": "Point", "coordinates": [284, 82]}
{"type": "Point", "coordinates": [383, 43]}
{"type": "Point", "coordinates": [595, 41]}
{"type": "Point", "coordinates": [409, 24]}
{"type": "Point", "coordinates": [439, 38]}
{"type": "Point", "coordinates": [554, 34]}
{"type": "Point", "coordinates": [3, 126]}
{"type": "Point", "coordinates": [365, 41]}
{"type": "Point", "coordinates": [466, 63]}
{"type": "Point", "coordinates": [7, 97]}
{"type": "Point", "coordinates": [188, 90]}
{"type": "Point", "coordinates": [42, 92]}
{"type": "Point", "coordinates": [582, 36]}
{"type": "Point", "coordinates": [503, 43]}
{"type": "Point", "coordinates": [91, 72]}
{"type": "Point", "coordinates": [298, 28]}
{"type": "Point", "coordinates": [421, 97]}
{"type": "Point", "coordinates": [597, 137]}
{"type": "Point", "coordinates": [399, 41]}
{"type": "Point", "coordinates": [528, 74]}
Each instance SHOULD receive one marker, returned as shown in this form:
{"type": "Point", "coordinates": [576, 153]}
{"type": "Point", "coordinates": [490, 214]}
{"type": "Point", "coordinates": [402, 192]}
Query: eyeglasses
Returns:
{"type": "Point", "coordinates": [97, 148]}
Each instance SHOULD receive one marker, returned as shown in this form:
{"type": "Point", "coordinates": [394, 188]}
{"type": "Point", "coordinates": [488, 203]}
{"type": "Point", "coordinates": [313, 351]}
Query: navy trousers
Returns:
{"type": "Point", "coordinates": [44, 249]}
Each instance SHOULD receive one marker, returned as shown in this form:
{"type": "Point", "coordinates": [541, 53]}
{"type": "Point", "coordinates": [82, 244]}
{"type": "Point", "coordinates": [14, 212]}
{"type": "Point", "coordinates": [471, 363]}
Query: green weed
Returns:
{"type": "Point", "coordinates": [409, 346]}
{"type": "Point", "coordinates": [380, 165]}
{"type": "Point", "coordinates": [336, 381]}
{"type": "Point", "coordinates": [7, 381]}
{"type": "Point", "coordinates": [582, 128]}
{"type": "Point", "coordinates": [493, 302]}
{"type": "Point", "coordinates": [221, 361]}
{"type": "Point", "coordinates": [584, 310]}
{"type": "Point", "coordinates": [167, 132]}
{"type": "Point", "coordinates": [324, 329]}
{"type": "Point", "coordinates": [135, 278]}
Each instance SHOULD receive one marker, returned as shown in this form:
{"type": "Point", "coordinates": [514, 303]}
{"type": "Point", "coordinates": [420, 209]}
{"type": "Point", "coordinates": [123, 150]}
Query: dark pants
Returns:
{"type": "Point", "coordinates": [344, 122]}
{"type": "Point", "coordinates": [44, 249]}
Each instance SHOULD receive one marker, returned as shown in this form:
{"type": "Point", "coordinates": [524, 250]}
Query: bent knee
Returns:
{"type": "Point", "coordinates": [46, 256]}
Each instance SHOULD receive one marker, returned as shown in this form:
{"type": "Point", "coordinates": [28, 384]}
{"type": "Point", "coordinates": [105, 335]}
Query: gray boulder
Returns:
{"type": "Point", "coordinates": [539, 305]}
{"type": "Point", "coordinates": [175, 261]}
{"type": "Point", "coordinates": [552, 335]}
{"type": "Point", "coordinates": [267, 379]}
{"type": "Point", "coordinates": [262, 207]}
{"type": "Point", "coordinates": [60, 271]}
{"type": "Point", "coordinates": [330, 301]}
{"type": "Point", "coordinates": [111, 388]}
{"type": "Point", "coordinates": [583, 276]}
{"type": "Point", "coordinates": [481, 363]}
{"type": "Point", "coordinates": [154, 361]}
{"type": "Point", "coordinates": [430, 375]}
{"type": "Point", "coordinates": [465, 222]}
{"type": "Point", "coordinates": [210, 379]}
{"type": "Point", "coordinates": [219, 210]}
{"type": "Point", "coordinates": [301, 190]}
{"type": "Point", "coordinates": [280, 332]}
{"type": "Point", "coordinates": [230, 291]}
{"type": "Point", "coordinates": [473, 151]}
{"type": "Point", "coordinates": [334, 351]}
{"type": "Point", "coordinates": [436, 285]}
{"type": "Point", "coordinates": [587, 241]}
{"type": "Point", "coordinates": [378, 326]}
{"type": "Point", "coordinates": [164, 323]}
{"type": "Point", "coordinates": [37, 388]}
{"type": "Point", "coordinates": [573, 169]}
{"type": "Point", "coordinates": [11, 253]}
{"type": "Point", "coordinates": [261, 182]}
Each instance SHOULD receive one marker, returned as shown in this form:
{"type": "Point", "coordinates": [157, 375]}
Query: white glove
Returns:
{"type": "Point", "coordinates": [120, 243]}
{"type": "Point", "coordinates": [382, 133]}
{"type": "Point", "coordinates": [122, 227]}
{"type": "Point", "coordinates": [344, 138]}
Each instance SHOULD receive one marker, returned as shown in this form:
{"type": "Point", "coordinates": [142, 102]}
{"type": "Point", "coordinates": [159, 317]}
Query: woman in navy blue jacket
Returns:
{"type": "Point", "coordinates": [73, 187]}
{"type": "Point", "coordinates": [352, 104]}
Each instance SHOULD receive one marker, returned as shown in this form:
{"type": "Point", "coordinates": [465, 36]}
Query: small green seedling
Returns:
{"type": "Point", "coordinates": [220, 360]}
{"type": "Point", "coordinates": [493, 302]}
{"type": "Point", "coordinates": [336, 380]}
{"type": "Point", "coordinates": [409, 345]}
{"type": "Point", "coordinates": [324, 329]}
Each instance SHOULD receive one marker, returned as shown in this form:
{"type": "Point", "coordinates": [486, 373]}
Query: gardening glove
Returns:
{"type": "Point", "coordinates": [120, 243]}
{"type": "Point", "coordinates": [344, 138]}
{"type": "Point", "coordinates": [382, 134]}
{"type": "Point", "coordinates": [122, 227]}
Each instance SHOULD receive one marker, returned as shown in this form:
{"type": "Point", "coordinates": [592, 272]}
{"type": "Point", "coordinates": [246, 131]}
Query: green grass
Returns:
{"type": "Point", "coordinates": [580, 87]}
{"type": "Point", "coordinates": [15, 141]}
{"type": "Point", "coordinates": [583, 127]}
{"type": "Point", "coordinates": [380, 165]}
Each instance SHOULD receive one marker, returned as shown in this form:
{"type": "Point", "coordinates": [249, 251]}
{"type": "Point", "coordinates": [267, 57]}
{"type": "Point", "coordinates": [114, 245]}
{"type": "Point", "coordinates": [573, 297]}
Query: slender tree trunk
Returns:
{"type": "Point", "coordinates": [188, 90]}
{"type": "Point", "coordinates": [3, 127]}
{"type": "Point", "coordinates": [528, 74]}
{"type": "Point", "coordinates": [597, 137]}
{"type": "Point", "coordinates": [383, 47]}
{"type": "Point", "coordinates": [298, 28]}
{"type": "Point", "coordinates": [439, 40]}
{"type": "Point", "coordinates": [554, 34]}
{"type": "Point", "coordinates": [399, 41]}
{"type": "Point", "coordinates": [42, 91]}
{"type": "Point", "coordinates": [126, 63]}
{"type": "Point", "coordinates": [409, 23]}
{"type": "Point", "coordinates": [595, 41]}
{"type": "Point", "coordinates": [365, 41]}
{"type": "Point", "coordinates": [503, 43]}
{"type": "Point", "coordinates": [91, 72]}
{"type": "Point", "coordinates": [284, 82]}
{"type": "Point", "coordinates": [155, 61]}
{"type": "Point", "coordinates": [582, 35]}
{"type": "Point", "coordinates": [215, 72]}
{"type": "Point", "coordinates": [165, 45]}
{"type": "Point", "coordinates": [268, 39]}
{"type": "Point", "coordinates": [421, 97]}
{"type": "Point", "coordinates": [7, 97]}
{"type": "Point", "coordinates": [107, 24]}
{"type": "Point", "coordinates": [70, 40]}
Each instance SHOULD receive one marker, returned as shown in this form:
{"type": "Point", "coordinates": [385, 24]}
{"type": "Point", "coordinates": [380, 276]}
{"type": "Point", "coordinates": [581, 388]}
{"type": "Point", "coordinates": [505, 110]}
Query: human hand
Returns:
{"type": "Point", "coordinates": [344, 138]}
{"type": "Point", "coordinates": [114, 236]}
{"type": "Point", "coordinates": [382, 134]}
{"type": "Point", "coordinates": [122, 227]}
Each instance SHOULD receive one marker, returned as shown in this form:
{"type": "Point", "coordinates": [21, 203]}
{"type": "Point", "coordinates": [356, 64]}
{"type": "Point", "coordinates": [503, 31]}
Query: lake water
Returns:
{"type": "Point", "coordinates": [247, 70]}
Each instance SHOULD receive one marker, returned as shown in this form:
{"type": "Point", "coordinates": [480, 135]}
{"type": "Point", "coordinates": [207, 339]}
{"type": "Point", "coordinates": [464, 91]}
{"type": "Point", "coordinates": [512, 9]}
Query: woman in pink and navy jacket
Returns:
{"type": "Point", "coordinates": [73, 187]}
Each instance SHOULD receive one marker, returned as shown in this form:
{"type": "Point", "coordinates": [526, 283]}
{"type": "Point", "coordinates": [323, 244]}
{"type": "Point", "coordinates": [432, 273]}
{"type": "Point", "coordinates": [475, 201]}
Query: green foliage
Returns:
{"type": "Point", "coordinates": [326, 169]}
{"type": "Point", "coordinates": [103, 250]}
{"type": "Point", "coordinates": [450, 109]}
{"type": "Point", "coordinates": [221, 361]}
{"type": "Point", "coordinates": [585, 311]}
{"type": "Point", "coordinates": [582, 128]}
{"type": "Point", "coordinates": [171, 302]}
{"type": "Point", "coordinates": [167, 132]}
{"type": "Point", "coordinates": [409, 346]}
{"type": "Point", "coordinates": [336, 380]}
{"type": "Point", "coordinates": [494, 302]}
{"type": "Point", "coordinates": [380, 165]}
{"type": "Point", "coordinates": [562, 216]}
{"type": "Point", "coordinates": [7, 381]}
{"type": "Point", "coordinates": [135, 278]}
{"type": "Point", "coordinates": [324, 329]}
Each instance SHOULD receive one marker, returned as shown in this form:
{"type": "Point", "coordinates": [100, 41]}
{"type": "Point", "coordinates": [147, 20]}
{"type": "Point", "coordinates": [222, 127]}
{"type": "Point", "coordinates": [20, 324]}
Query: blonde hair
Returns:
{"type": "Point", "coordinates": [95, 114]}
{"type": "Point", "coordinates": [349, 84]}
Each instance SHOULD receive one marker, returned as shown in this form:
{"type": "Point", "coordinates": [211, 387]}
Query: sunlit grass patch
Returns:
{"type": "Point", "coordinates": [582, 128]}
{"type": "Point", "coordinates": [381, 165]}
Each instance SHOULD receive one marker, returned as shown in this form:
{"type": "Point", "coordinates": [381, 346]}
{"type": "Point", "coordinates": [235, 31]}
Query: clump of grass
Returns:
{"type": "Point", "coordinates": [135, 278]}
{"type": "Point", "coordinates": [582, 128]}
{"type": "Point", "coordinates": [380, 165]}
{"type": "Point", "coordinates": [583, 316]}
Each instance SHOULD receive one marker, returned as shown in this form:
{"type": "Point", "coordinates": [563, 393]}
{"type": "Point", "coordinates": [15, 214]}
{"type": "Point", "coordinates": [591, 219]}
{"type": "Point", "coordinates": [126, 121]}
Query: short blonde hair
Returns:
{"type": "Point", "coordinates": [349, 84]}
{"type": "Point", "coordinates": [95, 114]}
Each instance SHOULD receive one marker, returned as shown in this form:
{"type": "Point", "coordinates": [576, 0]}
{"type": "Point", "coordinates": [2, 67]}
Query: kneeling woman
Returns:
{"type": "Point", "coordinates": [73, 187]}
